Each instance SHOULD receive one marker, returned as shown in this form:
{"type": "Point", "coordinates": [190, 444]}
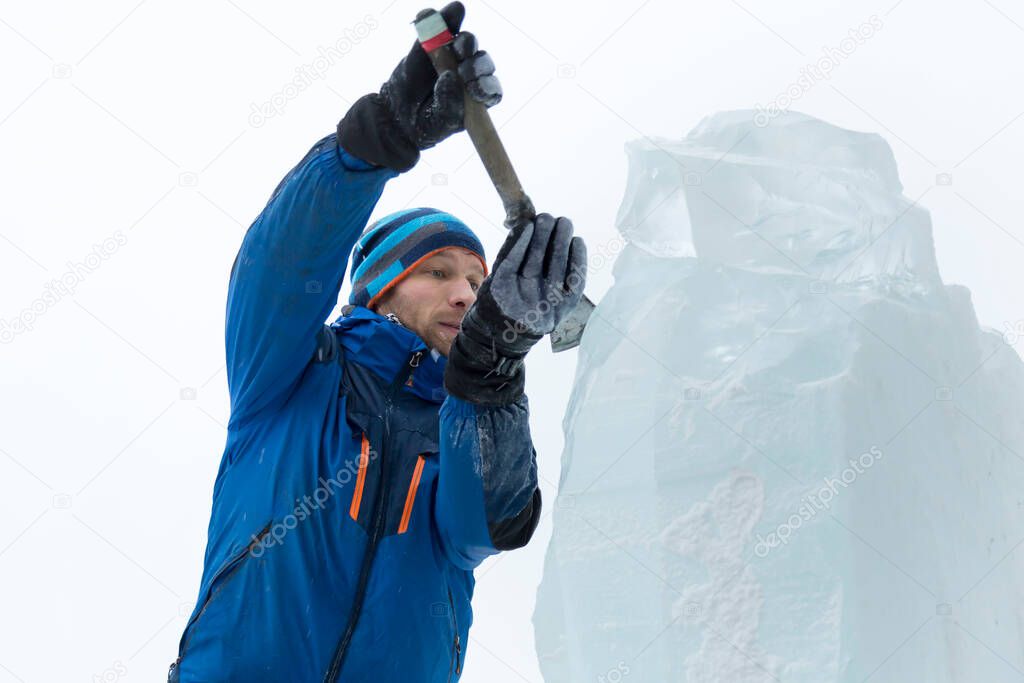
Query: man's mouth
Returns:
{"type": "Point", "coordinates": [454, 327]}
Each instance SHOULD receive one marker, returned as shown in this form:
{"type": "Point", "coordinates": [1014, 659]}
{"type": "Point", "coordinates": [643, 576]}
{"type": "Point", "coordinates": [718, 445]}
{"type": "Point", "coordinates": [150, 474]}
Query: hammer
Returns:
{"type": "Point", "coordinates": [436, 39]}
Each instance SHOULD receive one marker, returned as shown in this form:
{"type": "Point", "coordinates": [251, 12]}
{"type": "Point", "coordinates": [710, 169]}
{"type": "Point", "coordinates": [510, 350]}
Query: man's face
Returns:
{"type": "Point", "coordinates": [432, 299]}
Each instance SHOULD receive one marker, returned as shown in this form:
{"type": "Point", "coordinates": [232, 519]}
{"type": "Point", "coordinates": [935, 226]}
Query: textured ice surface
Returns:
{"type": "Point", "coordinates": [799, 195]}
{"type": "Point", "coordinates": [774, 317]}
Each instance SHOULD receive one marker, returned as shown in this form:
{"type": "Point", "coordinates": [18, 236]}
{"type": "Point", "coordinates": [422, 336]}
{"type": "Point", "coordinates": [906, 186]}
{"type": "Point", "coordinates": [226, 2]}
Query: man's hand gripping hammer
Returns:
{"type": "Point", "coordinates": [436, 39]}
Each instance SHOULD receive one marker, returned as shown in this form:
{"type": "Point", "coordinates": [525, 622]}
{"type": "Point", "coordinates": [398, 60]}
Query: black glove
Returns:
{"type": "Point", "coordinates": [415, 109]}
{"type": "Point", "coordinates": [538, 278]}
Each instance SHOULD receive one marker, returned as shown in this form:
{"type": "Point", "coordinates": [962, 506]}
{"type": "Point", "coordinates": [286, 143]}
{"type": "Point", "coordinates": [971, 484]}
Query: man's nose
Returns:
{"type": "Point", "coordinates": [462, 293]}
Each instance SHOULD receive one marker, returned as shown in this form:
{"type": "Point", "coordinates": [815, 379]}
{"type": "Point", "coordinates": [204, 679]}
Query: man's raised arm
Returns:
{"type": "Point", "coordinates": [288, 271]}
{"type": "Point", "coordinates": [286, 277]}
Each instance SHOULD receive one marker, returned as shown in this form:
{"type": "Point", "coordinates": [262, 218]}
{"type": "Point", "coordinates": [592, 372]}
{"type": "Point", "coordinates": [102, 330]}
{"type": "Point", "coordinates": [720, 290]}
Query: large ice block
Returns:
{"type": "Point", "coordinates": [793, 456]}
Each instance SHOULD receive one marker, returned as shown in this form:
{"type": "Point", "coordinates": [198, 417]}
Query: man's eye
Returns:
{"type": "Point", "coordinates": [475, 286]}
{"type": "Point", "coordinates": [435, 270]}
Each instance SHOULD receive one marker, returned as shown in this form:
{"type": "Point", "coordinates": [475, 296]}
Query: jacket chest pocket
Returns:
{"type": "Point", "coordinates": [413, 470]}
{"type": "Point", "coordinates": [412, 491]}
{"type": "Point", "coordinates": [367, 478]}
{"type": "Point", "coordinates": [391, 480]}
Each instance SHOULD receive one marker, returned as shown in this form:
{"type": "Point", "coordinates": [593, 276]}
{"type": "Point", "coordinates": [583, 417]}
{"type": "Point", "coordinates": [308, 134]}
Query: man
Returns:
{"type": "Point", "coordinates": [373, 463]}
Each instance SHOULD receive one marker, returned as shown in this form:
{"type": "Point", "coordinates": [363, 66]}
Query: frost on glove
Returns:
{"type": "Point", "coordinates": [538, 278]}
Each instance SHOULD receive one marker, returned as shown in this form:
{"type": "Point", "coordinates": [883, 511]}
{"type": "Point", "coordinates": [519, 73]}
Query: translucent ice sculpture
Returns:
{"type": "Point", "coordinates": [792, 454]}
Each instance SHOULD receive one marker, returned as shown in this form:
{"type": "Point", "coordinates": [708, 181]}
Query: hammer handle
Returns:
{"type": "Point", "coordinates": [518, 207]}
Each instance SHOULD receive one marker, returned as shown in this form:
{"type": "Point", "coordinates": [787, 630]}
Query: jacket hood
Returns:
{"type": "Point", "coordinates": [383, 347]}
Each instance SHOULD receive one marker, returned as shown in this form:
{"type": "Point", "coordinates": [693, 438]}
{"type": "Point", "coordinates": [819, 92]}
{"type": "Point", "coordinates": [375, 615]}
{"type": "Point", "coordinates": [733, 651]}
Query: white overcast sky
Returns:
{"type": "Point", "coordinates": [130, 122]}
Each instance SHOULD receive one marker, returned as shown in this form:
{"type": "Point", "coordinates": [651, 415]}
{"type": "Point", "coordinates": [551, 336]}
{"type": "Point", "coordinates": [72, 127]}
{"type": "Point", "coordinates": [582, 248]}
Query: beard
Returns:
{"type": "Point", "coordinates": [429, 332]}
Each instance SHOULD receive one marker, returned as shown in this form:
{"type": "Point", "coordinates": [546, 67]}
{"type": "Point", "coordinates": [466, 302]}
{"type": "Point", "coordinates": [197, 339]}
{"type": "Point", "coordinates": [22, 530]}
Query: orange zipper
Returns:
{"type": "Point", "coordinates": [410, 497]}
{"type": "Point", "coordinates": [357, 495]}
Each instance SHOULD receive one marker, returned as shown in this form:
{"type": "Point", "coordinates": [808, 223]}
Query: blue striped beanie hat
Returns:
{"type": "Point", "coordinates": [389, 248]}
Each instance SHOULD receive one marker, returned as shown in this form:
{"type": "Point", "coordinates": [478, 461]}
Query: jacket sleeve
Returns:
{"type": "Point", "coordinates": [487, 496]}
{"type": "Point", "coordinates": [288, 272]}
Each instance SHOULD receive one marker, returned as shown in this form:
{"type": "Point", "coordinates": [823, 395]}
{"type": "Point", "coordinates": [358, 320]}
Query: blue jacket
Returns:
{"type": "Point", "coordinates": [354, 496]}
